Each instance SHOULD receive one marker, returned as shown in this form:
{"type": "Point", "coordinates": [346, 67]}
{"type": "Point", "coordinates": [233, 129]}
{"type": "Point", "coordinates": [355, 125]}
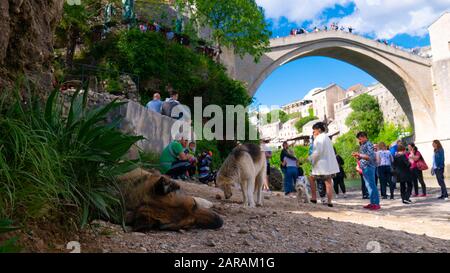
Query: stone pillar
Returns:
{"type": "Point", "coordinates": [440, 45]}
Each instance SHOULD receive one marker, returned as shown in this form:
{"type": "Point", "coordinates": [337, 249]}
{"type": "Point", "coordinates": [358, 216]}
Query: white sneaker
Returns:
{"type": "Point", "coordinates": [324, 201]}
{"type": "Point", "coordinates": [446, 198]}
{"type": "Point", "coordinates": [345, 196]}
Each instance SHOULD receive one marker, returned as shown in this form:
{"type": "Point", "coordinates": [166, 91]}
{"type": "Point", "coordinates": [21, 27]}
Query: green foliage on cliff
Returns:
{"type": "Point", "coordinates": [275, 116]}
{"type": "Point", "coordinates": [303, 121]}
{"type": "Point", "coordinates": [159, 62]}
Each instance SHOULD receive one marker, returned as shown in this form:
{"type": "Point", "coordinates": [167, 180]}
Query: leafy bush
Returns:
{"type": "Point", "coordinates": [276, 115]}
{"type": "Point", "coordinates": [51, 163]}
{"type": "Point", "coordinates": [390, 133]}
{"type": "Point", "coordinates": [345, 145]}
{"type": "Point", "coordinates": [303, 121]}
{"type": "Point", "coordinates": [301, 152]}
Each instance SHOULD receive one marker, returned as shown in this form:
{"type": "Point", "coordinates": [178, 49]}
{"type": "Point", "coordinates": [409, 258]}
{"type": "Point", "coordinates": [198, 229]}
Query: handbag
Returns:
{"type": "Point", "coordinates": [422, 165]}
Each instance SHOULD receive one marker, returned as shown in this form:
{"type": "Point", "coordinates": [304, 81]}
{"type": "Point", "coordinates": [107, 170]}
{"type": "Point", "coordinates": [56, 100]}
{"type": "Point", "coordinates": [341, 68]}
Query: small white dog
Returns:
{"type": "Point", "coordinates": [301, 186]}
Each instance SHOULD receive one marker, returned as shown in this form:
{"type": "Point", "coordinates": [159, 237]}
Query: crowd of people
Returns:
{"type": "Point", "coordinates": [398, 164]}
{"type": "Point", "coordinates": [333, 27]}
{"type": "Point", "coordinates": [336, 27]}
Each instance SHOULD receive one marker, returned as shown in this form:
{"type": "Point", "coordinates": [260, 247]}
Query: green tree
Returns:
{"type": "Point", "coordinates": [366, 115]}
{"type": "Point", "coordinates": [77, 23]}
{"type": "Point", "coordinates": [276, 115]}
{"type": "Point", "coordinates": [238, 24]}
{"type": "Point", "coordinates": [345, 145]}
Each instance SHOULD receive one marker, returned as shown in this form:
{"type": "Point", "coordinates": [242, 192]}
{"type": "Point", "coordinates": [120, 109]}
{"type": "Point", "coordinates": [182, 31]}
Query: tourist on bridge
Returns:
{"type": "Point", "coordinates": [384, 162]}
{"type": "Point", "coordinates": [324, 163]}
{"type": "Point", "coordinates": [438, 168]}
{"type": "Point", "coordinates": [402, 170]}
{"type": "Point", "coordinates": [350, 29]}
{"type": "Point", "coordinates": [418, 165]}
{"type": "Point", "coordinates": [367, 159]}
{"type": "Point", "coordinates": [155, 104]}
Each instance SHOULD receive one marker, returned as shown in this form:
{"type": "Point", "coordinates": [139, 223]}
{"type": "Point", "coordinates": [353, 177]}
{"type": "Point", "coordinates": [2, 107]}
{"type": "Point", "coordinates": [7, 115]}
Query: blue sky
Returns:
{"type": "Point", "coordinates": [293, 81]}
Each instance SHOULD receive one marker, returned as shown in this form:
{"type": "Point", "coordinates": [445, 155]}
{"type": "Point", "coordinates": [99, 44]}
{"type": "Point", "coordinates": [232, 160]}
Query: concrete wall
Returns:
{"type": "Point", "coordinates": [440, 44]}
{"type": "Point", "coordinates": [440, 38]}
{"type": "Point", "coordinates": [137, 120]}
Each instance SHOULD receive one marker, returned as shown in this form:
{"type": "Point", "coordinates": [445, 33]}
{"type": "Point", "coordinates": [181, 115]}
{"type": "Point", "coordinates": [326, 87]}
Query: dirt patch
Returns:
{"type": "Point", "coordinates": [282, 225]}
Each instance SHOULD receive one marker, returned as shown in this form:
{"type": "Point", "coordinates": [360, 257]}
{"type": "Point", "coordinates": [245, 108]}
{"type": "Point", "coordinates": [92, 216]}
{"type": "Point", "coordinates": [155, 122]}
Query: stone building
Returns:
{"type": "Point", "coordinates": [392, 111]}
{"type": "Point", "coordinates": [324, 100]}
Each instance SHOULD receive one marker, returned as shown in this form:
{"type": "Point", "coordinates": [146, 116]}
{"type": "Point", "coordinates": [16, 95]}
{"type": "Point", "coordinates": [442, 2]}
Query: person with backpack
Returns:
{"type": "Point", "coordinates": [402, 169]}
{"type": "Point", "coordinates": [169, 105]}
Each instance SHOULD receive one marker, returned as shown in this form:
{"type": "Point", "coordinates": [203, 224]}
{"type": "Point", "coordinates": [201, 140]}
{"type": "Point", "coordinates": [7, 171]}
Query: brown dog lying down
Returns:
{"type": "Point", "coordinates": [153, 201]}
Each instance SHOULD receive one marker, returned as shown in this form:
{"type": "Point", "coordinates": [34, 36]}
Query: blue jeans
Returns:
{"type": "Point", "coordinates": [290, 177]}
{"type": "Point", "coordinates": [369, 178]}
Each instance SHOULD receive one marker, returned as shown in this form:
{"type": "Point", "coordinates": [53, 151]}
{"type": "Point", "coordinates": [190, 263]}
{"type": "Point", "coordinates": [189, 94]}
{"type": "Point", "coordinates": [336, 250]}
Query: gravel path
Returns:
{"type": "Point", "coordinates": [285, 226]}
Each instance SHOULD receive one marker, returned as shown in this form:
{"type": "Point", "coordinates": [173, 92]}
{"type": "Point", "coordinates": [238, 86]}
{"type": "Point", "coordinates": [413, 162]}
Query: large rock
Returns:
{"type": "Point", "coordinates": [275, 179]}
{"type": "Point", "coordinates": [26, 40]}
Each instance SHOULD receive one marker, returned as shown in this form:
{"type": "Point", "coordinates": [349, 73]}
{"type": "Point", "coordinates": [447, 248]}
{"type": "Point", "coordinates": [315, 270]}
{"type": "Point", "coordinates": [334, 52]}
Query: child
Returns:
{"type": "Point", "coordinates": [204, 171]}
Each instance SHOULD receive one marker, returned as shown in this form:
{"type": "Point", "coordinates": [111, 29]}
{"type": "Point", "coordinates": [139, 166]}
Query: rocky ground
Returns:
{"type": "Point", "coordinates": [284, 225]}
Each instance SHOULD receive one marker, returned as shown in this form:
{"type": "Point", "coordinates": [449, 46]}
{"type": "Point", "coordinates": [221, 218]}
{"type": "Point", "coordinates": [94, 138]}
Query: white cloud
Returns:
{"type": "Point", "coordinates": [383, 18]}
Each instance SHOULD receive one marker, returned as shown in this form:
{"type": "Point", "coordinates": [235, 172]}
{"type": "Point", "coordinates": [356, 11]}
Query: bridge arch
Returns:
{"type": "Point", "coordinates": [406, 76]}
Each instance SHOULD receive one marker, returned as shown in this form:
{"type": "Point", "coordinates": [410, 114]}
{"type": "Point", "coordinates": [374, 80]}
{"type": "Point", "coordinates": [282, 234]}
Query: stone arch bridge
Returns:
{"type": "Point", "coordinates": [408, 77]}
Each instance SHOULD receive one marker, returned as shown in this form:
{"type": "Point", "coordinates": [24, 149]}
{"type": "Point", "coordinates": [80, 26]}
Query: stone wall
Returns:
{"type": "Point", "coordinates": [156, 129]}
{"type": "Point", "coordinates": [136, 120]}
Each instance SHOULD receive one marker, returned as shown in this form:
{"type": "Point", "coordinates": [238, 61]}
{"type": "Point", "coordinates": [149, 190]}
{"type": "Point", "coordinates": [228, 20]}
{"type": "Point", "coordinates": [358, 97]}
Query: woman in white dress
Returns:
{"type": "Point", "coordinates": [324, 163]}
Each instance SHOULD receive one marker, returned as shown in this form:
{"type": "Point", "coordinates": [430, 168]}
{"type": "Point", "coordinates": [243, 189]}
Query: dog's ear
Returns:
{"type": "Point", "coordinates": [165, 186]}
